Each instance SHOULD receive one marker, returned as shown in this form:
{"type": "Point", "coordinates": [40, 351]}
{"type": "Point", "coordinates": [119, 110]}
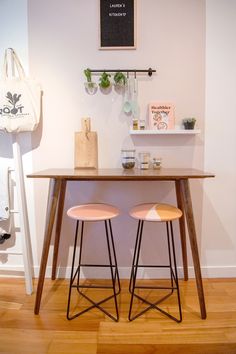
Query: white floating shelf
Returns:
{"type": "Point", "coordinates": [165, 132]}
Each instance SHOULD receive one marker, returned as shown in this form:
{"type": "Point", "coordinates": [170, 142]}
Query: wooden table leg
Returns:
{"type": "Point", "coordinates": [54, 190]}
{"type": "Point", "coordinates": [185, 191]}
{"type": "Point", "coordinates": [58, 227]}
{"type": "Point", "coordinates": [182, 230]}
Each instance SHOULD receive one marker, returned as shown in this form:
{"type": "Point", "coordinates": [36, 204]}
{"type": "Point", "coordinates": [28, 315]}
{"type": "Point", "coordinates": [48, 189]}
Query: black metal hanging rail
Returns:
{"type": "Point", "coordinates": [149, 71]}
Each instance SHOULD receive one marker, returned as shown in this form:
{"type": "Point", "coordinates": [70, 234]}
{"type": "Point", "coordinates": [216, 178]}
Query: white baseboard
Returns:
{"type": "Point", "coordinates": [64, 272]}
{"type": "Point", "coordinates": [11, 271]}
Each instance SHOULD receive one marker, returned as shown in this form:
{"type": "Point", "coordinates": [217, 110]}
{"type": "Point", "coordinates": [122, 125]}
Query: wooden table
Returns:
{"type": "Point", "coordinates": [56, 196]}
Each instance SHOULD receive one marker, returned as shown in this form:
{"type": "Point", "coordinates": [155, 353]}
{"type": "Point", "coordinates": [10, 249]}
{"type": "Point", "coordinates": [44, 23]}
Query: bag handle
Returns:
{"type": "Point", "coordinates": [15, 63]}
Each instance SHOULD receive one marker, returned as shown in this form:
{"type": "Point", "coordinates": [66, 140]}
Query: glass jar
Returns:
{"type": "Point", "coordinates": [135, 123]}
{"type": "Point", "coordinates": [128, 158]}
{"type": "Point", "coordinates": [156, 163]}
{"type": "Point", "coordinates": [144, 159]}
{"type": "Point", "coordinates": [142, 124]}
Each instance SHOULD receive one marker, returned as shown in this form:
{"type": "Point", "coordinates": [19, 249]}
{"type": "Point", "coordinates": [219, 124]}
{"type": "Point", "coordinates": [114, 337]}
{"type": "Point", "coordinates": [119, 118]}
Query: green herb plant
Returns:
{"type": "Point", "coordinates": [91, 87]}
{"type": "Point", "coordinates": [119, 79]}
{"type": "Point", "coordinates": [189, 123]}
{"type": "Point", "coordinates": [88, 75]}
{"type": "Point", "coordinates": [105, 80]}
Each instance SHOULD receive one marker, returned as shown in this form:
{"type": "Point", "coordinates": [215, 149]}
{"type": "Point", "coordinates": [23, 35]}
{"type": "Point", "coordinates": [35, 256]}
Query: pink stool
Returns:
{"type": "Point", "coordinates": [92, 213]}
{"type": "Point", "coordinates": [156, 213]}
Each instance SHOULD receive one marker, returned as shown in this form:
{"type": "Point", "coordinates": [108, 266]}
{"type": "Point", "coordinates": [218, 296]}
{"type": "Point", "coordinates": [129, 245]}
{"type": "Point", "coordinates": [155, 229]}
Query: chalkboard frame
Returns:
{"type": "Point", "coordinates": [133, 28]}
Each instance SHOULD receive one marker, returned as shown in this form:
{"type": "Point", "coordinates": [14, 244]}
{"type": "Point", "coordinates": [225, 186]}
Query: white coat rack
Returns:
{"type": "Point", "coordinates": [23, 213]}
{"type": "Point", "coordinates": [22, 205]}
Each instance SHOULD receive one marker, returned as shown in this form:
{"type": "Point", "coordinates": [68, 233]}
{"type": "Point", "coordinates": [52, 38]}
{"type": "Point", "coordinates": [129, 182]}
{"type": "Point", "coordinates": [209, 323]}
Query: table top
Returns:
{"type": "Point", "coordinates": [120, 174]}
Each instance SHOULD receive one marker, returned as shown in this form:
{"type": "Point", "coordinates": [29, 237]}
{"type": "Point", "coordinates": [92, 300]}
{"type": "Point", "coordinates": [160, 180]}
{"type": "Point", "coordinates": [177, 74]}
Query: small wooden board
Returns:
{"type": "Point", "coordinates": [86, 150]}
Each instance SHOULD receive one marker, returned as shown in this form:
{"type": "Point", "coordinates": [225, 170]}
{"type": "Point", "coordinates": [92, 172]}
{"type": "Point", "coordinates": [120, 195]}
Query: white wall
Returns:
{"type": "Point", "coordinates": [219, 222]}
{"type": "Point", "coordinates": [63, 41]}
{"type": "Point", "coordinates": [14, 33]}
{"type": "Point", "coordinates": [171, 39]}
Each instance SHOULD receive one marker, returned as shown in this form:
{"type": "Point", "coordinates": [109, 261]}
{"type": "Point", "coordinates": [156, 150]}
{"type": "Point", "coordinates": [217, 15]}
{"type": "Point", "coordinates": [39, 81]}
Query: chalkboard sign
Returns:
{"type": "Point", "coordinates": [117, 24]}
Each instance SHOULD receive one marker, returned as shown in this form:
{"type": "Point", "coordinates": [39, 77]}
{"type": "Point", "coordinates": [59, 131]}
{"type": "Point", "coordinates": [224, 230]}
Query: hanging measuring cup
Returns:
{"type": "Point", "coordinates": [127, 107]}
{"type": "Point", "coordinates": [135, 106]}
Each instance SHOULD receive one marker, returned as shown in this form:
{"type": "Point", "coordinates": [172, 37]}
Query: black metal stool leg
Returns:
{"type": "Point", "coordinates": [169, 253]}
{"type": "Point", "coordinates": [176, 272]}
{"type": "Point", "coordinates": [72, 270]}
{"type": "Point", "coordinates": [113, 276]}
{"type": "Point", "coordinates": [115, 259]}
{"type": "Point", "coordinates": [135, 267]}
{"type": "Point", "coordinates": [134, 256]}
{"type": "Point", "coordinates": [80, 255]}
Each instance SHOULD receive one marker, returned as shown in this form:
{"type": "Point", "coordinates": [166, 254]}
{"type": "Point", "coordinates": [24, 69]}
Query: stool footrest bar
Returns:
{"type": "Point", "coordinates": [155, 287]}
{"type": "Point", "coordinates": [91, 287]}
{"type": "Point", "coordinates": [98, 265]}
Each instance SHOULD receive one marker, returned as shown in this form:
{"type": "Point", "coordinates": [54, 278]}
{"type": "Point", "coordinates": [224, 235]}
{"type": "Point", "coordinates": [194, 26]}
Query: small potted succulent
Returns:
{"type": "Point", "coordinates": [119, 79]}
{"type": "Point", "coordinates": [90, 86]}
{"type": "Point", "coordinates": [189, 123]}
{"type": "Point", "coordinates": [104, 80]}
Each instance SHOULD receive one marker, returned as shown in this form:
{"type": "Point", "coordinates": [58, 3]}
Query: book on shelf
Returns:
{"type": "Point", "coordinates": [161, 116]}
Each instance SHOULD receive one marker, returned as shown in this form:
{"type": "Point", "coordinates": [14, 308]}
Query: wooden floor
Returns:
{"type": "Point", "coordinates": [50, 332]}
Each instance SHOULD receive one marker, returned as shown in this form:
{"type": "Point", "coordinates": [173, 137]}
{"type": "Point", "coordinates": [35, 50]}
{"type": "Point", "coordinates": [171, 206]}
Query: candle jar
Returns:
{"type": "Point", "coordinates": [144, 158]}
{"type": "Point", "coordinates": [128, 158]}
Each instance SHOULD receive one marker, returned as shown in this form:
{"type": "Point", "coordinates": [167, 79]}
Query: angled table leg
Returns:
{"type": "Point", "coordinates": [184, 186]}
{"type": "Point", "coordinates": [54, 190]}
{"type": "Point", "coordinates": [58, 227]}
{"type": "Point", "coordinates": [182, 229]}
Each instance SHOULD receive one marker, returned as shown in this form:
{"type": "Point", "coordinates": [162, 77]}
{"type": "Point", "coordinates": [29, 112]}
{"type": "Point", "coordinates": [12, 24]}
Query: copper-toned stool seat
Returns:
{"type": "Point", "coordinates": [154, 212]}
{"type": "Point", "coordinates": [94, 213]}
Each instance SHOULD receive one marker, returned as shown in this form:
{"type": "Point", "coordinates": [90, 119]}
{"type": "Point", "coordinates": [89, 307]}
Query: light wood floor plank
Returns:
{"type": "Point", "coordinates": [167, 349]}
{"type": "Point", "coordinates": [74, 342]}
{"type": "Point", "coordinates": [22, 332]}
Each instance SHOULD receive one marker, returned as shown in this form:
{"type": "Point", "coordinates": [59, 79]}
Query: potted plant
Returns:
{"type": "Point", "coordinates": [105, 80]}
{"type": "Point", "coordinates": [189, 123]}
{"type": "Point", "coordinates": [119, 79]}
{"type": "Point", "coordinates": [90, 86]}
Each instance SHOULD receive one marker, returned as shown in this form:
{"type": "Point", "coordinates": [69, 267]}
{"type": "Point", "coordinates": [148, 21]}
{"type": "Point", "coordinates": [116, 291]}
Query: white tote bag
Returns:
{"type": "Point", "coordinates": [20, 97]}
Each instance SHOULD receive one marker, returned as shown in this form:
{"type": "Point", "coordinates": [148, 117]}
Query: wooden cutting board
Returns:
{"type": "Point", "coordinates": [86, 146]}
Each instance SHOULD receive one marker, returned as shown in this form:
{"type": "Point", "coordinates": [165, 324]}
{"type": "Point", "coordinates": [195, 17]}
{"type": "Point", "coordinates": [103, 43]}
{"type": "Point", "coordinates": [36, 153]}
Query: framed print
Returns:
{"type": "Point", "coordinates": [161, 116]}
{"type": "Point", "coordinates": [117, 28]}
